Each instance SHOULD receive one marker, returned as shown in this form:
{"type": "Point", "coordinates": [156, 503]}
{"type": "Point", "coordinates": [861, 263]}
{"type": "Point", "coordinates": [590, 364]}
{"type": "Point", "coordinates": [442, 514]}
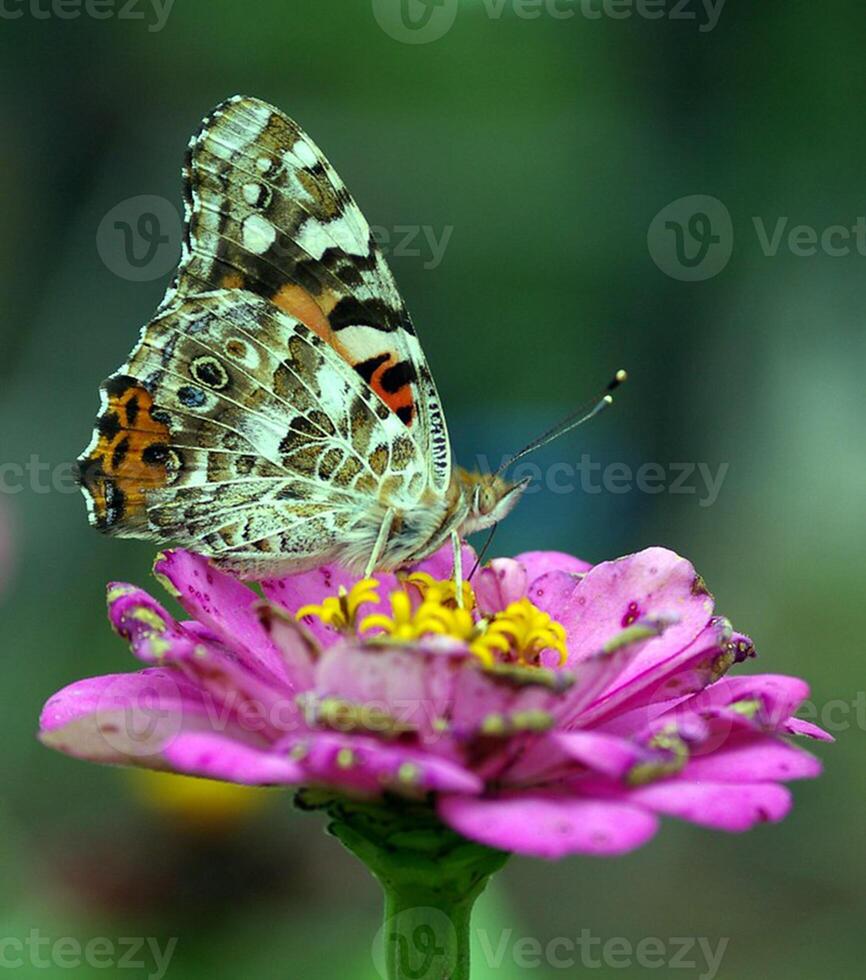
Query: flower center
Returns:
{"type": "Point", "coordinates": [425, 607]}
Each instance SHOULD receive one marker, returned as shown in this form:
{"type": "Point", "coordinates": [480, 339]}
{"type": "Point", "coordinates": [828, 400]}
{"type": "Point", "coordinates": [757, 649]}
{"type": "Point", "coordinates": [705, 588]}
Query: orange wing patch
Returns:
{"type": "Point", "coordinates": [392, 381]}
{"type": "Point", "coordinates": [131, 456]}
{"type": "Point", "coordinates": [300, 303]}
{"type": "Point", "coordinates": [313, 313]}
{"type": "Point", "coordinates": [389, 378]}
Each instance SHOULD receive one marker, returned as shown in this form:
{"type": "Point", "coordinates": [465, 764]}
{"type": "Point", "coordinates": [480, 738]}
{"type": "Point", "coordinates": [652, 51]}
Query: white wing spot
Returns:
{"type": "Point", "coordinates": [315, 237]}
{"type": "Point", "coordinates": [258, 234]}
{"type": "Point", "coordinates": [251, 193]}
{"type": "Point", "coordinates": [263, 164]}
{"type": "Point", "coordinates": [305, 154]}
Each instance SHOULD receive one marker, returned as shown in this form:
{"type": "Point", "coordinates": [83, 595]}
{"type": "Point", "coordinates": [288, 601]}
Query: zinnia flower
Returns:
{"type": "Point", "coordinates": [562, 708]}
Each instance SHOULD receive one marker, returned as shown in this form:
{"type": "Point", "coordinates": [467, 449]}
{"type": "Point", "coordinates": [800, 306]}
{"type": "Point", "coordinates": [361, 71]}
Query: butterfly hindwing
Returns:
{"type": "Point", "coordinates": [235, 429]}
{"type": "Point", "coordinates": [266, 213]}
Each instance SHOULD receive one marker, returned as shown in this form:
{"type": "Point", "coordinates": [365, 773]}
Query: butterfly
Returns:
{"type": "Point", "coordinates": [278, 412]}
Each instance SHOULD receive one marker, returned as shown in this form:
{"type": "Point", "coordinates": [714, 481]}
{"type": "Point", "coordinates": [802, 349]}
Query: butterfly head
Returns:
{"type": "Point", "coordinates": [491, 498]}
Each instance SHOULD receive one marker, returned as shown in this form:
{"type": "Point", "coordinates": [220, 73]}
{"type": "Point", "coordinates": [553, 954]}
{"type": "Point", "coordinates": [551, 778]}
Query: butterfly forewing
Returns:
{"type": "Point", "coordinates": [266, 212]}
{"type": "Point", "coordinates": [279, 405]}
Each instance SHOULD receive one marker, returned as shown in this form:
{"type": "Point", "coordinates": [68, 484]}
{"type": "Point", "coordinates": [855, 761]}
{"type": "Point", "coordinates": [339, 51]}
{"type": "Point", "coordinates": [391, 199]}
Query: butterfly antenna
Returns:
{"type": "Point", "coordinates": [484, 549]}
{"type": "Point", "coordinates": [571, 421]}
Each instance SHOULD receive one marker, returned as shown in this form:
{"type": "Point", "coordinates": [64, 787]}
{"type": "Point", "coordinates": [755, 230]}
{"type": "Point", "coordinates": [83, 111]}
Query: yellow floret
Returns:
{"type": "Point", "coordinates": [518, 634]}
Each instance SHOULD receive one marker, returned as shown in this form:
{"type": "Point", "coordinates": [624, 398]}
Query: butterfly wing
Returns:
{"type": "Point", "coordinates": [237, 431]}
{"type": "Point", "coordinates": [267, 213]}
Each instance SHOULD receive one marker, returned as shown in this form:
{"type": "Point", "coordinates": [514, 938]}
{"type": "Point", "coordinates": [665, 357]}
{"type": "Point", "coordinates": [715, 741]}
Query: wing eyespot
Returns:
{"type": "Point", "coordinates": [209, 372]}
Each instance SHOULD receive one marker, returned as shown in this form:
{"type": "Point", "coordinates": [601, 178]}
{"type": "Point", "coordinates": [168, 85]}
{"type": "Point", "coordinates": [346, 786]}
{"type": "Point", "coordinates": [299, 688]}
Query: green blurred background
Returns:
{"type": "Point", "coordinates": [546, 143]}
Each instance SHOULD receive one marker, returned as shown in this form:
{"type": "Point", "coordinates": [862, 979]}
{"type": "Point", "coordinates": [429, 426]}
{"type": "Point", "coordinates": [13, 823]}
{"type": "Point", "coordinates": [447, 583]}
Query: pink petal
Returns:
{"type": "Point", "coordinates": [559, 755]}
{"type": "Point", "coordinates": [722, 806]}
{"type": "Point", "coordinates": [780, 695]}
{"type": "Point", "coordinates": [218, 757]}
{"type": "Point", "coordinates": [653, 584]}
{"type": "Point", "coordinates": [481, 696]}
{"type": "Point", "coordinates": [259, 706]}
{"type": "Point", "coordinates": [122, 718]}
{"type": "Point", "coordinates": [368, 765]}
{"type": "Point", "coordinates": [538, 563]}
{"type": "Point", "coordinates": [498, 584]}
{"type": "Point", "coordinates": [549, 826]}
{"type": "Point", "coordinates": [145, 624]}
{"type": "Point", "coordinates": [311, 588]}
{"type": "Point", "coordinates": [602, 753]}
{"type": "Point", "coordinates": [297, 645]}
{"type": "Point", "coordinates": [414, 687]}
{"type": "Point", "coordinates": [594, 675]}
{"type": "Point", "coordinates": [221, 603]}
{"type": "Point", "coordinates": [441, 564]}
{"type": "Point", "coordinates": [629, 702]}
{"type": "Point", "coordinates": [552, 592]}
{"type": "Point", "coordinates": [753, 759]}
{"type": "Point", "coordinates": [770, 698]}
{"type": "Point", "coordinates": [263, 701]}
{"type": "Point", "coordinates": [799, 726]}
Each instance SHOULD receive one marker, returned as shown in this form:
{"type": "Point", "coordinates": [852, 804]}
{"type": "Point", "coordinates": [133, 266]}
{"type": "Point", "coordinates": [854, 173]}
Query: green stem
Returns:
{"type": "Point", "coordinates": [425, 935]}
{"type": "Point", "coordinates": [430, 876]}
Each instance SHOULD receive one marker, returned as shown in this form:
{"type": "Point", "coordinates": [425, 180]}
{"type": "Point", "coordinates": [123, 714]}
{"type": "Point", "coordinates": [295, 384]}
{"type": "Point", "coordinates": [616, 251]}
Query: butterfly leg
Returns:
{"type": "Point", "coordinates": [458, 568]}
{"type": "Point", "coordinates": [381, 542]}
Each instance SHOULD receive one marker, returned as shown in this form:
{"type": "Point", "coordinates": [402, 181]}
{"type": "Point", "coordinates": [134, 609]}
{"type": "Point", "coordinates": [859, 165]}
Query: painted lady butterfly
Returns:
{"type": "Point", "coordinates": [278, 412]}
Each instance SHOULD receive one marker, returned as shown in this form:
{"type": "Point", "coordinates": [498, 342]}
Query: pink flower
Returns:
{"type": "Point", "coordinates": [563, 710]}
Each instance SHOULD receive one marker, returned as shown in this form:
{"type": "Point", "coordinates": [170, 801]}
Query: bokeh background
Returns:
{"type": "Point", "coordinates": [543, 145]}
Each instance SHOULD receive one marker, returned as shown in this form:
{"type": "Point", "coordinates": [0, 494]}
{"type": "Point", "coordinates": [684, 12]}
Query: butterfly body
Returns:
{"type": "Point", "coordinates": [278, 412]}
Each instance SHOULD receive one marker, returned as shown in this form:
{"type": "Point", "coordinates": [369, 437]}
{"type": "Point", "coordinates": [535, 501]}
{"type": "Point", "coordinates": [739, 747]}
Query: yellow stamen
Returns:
{"type": "Point", "coordinates": [341, 611]}
{"type": "Point", "coordinates": [444, 592]}
{"type": "Point", "coordinates": [517, 635]}
{"type": "Point", "coordinates": [530, 631]}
